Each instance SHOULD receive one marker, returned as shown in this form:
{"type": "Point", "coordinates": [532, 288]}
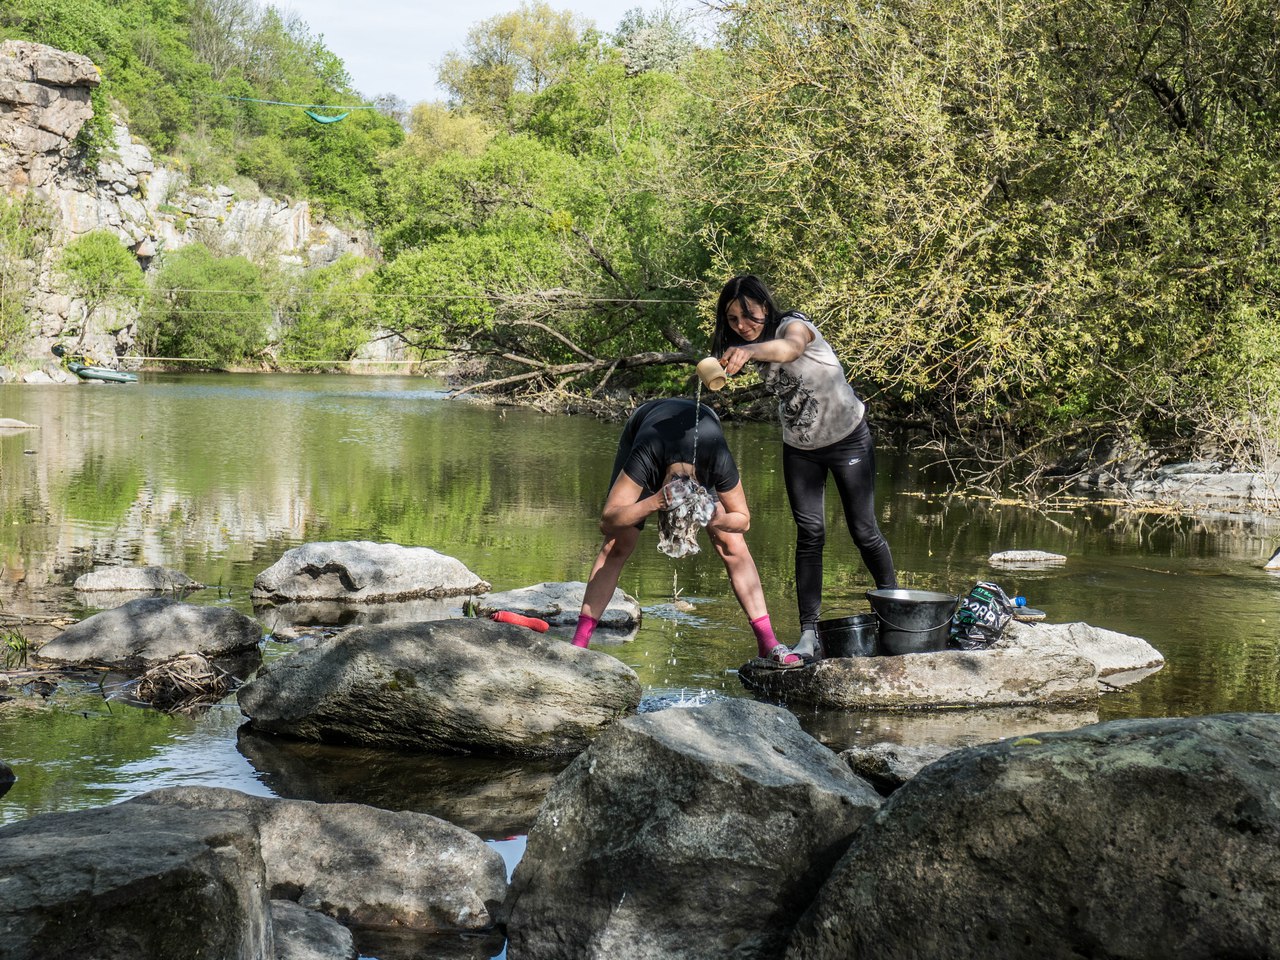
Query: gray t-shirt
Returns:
{"type": "Point", "coordinates": [816, 404]}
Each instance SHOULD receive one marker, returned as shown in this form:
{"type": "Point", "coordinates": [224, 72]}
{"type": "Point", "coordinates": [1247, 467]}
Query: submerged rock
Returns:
{"type": "Point", "coordinates": [559, 604]}
{"type": "Point", "coordinates": [359, 864]}
{"type": "Point", "coordinates": [457, 686]}
{"type": "Point", "coordinates": [364, 572]}
{"type": "Point", "coordinates": [149, 630]}
{"type": "Point", "coordinates": [1050, 664]}
{"type": "Point", "coordinates": [1026, 558]}
{"type": "Point", "coordinates": [128, 881]}
{"type": "Point", "coordinates": [302, 934]}
{"type": "Point", "coordinates": [887, 766]}
{"type": "Point", "coordinates": [142, 579]}
{"type": "Point", "coordinates": [1144, 839]}
{"type": "Point", "coordinates": [697, 832]}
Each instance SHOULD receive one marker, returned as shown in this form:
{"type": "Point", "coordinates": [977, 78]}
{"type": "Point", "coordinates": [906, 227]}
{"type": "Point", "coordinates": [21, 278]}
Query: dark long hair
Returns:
{"type": "Point", "coordinates": [741, 288]}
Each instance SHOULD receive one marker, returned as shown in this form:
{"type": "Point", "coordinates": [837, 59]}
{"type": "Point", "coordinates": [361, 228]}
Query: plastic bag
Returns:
{"type": "Point", "coordinates": [981, 617]}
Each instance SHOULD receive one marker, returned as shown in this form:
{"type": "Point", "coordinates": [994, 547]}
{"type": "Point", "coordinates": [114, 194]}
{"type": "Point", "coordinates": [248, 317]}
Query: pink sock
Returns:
{"type": "Point", "coordinates": [586, 627]}
{"type": "Point", "coordinates": [763, 630]}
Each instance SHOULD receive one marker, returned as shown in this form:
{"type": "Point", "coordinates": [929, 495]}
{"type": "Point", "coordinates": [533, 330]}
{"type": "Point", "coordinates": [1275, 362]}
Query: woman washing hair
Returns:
{"type": "Point", "coordinates": [824, 433]}
{"type": "Point", "coordinates": [655, 471]}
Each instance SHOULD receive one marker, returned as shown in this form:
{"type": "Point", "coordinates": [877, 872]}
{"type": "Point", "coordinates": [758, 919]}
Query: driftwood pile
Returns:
{"type": "Point", "coordinates": [185, 681]}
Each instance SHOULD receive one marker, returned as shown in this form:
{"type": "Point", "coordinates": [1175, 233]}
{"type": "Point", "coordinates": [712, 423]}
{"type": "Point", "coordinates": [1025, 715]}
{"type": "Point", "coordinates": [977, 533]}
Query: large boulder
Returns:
{"type": "Point", "coordinates": [129, 881]}
{"type": "Point", "coordinates": [362, 865]}
{"type": "Point", "coordinates": [1031, 664]}
{"type": "Point", "coordinates": [364, 572]}
{"type": "Point", "coordinates": [559, 604]}
{"type": "Point", "coordinates": [1142, 839]}
{"type": "Point", "coordinates": [140, 579]}
{"type": "Point", "coordinates": [149, 630]}
{"type": "Point", "coordinates": [458, 686]}
{"type": "Point", "coordinates": [693, 832]}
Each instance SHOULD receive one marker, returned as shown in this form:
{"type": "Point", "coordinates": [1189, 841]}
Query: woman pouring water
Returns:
{"type": "Point", "coordinates": [673, 460]}
{"type": "Point", "coordinates": [824, 433]}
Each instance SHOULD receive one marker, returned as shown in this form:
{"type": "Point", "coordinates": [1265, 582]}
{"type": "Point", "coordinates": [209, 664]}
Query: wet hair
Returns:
{"type": "Point", "coordinates": [739, 289]}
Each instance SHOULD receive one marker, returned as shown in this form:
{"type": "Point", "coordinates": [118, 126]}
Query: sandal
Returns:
{"type": "Point", "coordinates": [780, 657]}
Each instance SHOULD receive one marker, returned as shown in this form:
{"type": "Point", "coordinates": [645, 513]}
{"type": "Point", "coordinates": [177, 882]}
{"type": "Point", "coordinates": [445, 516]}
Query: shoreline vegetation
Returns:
{"type": "Point", "coordinates": [1043, 236]}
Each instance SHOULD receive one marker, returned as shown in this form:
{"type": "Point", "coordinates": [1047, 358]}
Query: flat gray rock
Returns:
{"type": "Point", "coordinates": [560, 603]}
{"type": "Point", "coordinates": [1031, 664]}
{"type": "Point", "coordinates": [1026, 558]}
{"type": "Point", "coordinates": [1110, 652]}
{"type": "Point", "coordinates": [456, 686]}
{"type": "Point", "coordinates": [149, 630]}
{"type": "Point", "coordinates": [141, 579]}
{"type": "Point", "coordinates": [364, 572]}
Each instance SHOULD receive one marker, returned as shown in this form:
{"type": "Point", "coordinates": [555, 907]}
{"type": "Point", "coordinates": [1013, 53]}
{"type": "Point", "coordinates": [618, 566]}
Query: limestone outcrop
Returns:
{"type": "Point", "coordinates": [44, 103]}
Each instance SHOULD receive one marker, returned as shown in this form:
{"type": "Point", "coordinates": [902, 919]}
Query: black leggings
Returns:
{"type": "Point", "coordinates": [852, 462]}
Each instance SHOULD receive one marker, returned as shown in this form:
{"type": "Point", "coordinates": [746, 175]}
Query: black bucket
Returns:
{"type": "Point", "coordinates": [913, 621]}
{"type": "Point", "coordinates": [855, 636]}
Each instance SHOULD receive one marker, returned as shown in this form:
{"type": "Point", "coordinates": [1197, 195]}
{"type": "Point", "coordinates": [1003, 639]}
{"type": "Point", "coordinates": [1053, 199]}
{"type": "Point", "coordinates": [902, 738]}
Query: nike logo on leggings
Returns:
{"type": "Point", "coordinates": [854, 460]}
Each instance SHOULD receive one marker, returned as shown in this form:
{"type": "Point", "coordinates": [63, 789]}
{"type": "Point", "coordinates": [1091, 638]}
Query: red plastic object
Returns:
{"type": "Point", "coordinates": [533, 623]}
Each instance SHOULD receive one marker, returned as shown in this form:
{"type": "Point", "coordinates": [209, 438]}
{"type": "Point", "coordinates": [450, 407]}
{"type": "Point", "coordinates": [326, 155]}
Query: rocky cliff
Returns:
{"type": "Point", "coordinates": [44, 102]}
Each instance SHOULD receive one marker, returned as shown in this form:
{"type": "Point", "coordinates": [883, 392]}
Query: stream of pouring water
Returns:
{"type": "Point", "coordinates": [697, 416]}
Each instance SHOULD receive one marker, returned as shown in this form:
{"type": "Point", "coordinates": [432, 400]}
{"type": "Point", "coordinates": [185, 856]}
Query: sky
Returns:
{"type": "Point", "coordinates": [395, 46]}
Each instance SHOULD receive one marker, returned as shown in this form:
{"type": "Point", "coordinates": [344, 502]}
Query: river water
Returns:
{"type": "Point", "coordinates": [218, 475]}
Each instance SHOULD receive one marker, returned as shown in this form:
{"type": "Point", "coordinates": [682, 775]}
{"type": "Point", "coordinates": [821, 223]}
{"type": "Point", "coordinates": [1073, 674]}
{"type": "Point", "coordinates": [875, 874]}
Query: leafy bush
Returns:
{"type": "Point", "coordinates": [330, 316]}
{"type": "Point", "coordinates": [100, 270]}
{"type": "Point", "coordinates": [215, 311]}
{"type": "Point", "coordinates": [26, 224]}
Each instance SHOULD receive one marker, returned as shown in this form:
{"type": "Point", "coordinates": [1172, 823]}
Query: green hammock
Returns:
{"type": "Point", "coordinates": [319, 119]}
{"type": "Point", "coordinates": [310, 108]}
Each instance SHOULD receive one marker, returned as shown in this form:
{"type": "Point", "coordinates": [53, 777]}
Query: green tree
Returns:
{"type": "Point", "coordinates": [552, 253]}
{"type": "Point", "coordinates": [215, 311]}
{"type": "Point", "coordinates": [100, 270]}
{"type": "Point", "coordinates": [26, 225]}
{"type": "Point", "coordinates": [1048, 218]}
{"type": "Point", "coordinates": [331, 314]}
{"type": "Point", "coordinates": [521, 52]}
